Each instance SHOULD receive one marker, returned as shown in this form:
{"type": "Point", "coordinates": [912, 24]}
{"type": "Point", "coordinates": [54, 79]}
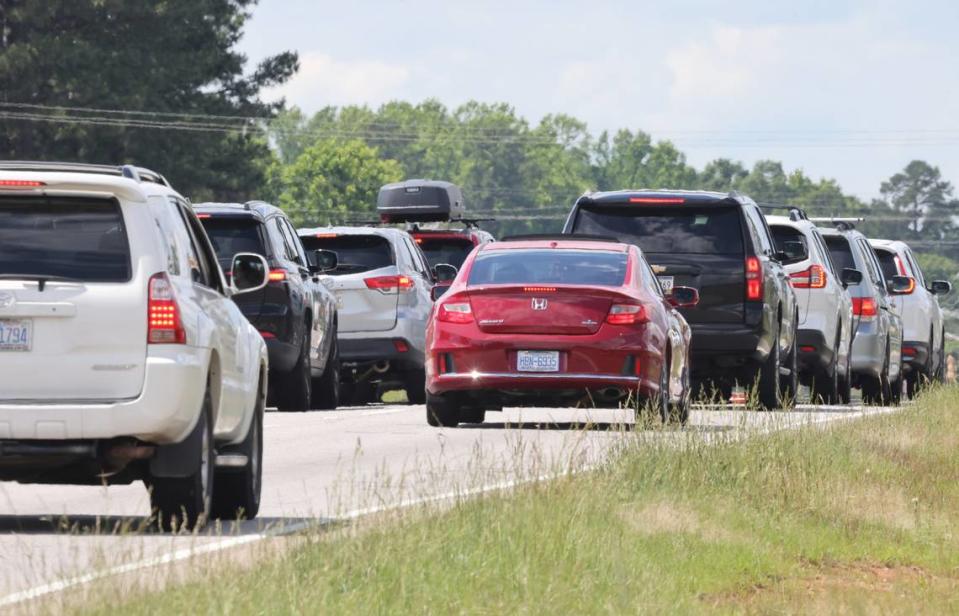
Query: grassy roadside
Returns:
{"type": "Point", "coordinates": [861, 517]}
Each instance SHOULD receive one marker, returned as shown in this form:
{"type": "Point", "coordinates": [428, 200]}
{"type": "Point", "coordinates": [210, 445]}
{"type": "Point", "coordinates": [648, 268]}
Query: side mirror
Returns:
{"type": "Point", "coordinates": [444, 272]}
{"type": "Point", "coordinates": [324, 261]}
{"type": "Point", "coordinates": [683, 297]}
{"type": "Point", "coordinates": [794, 251]}
{"type": "Point", "coordinates": [250, 273]}
{"type": "Point", "coordinates": [438, 291]}
{"type": "Point", "coordinates": [901, 285]}
{"type": "Point", "coordinates": [941, 287]}
{"type": "Point", "coordinates": [850, 276]}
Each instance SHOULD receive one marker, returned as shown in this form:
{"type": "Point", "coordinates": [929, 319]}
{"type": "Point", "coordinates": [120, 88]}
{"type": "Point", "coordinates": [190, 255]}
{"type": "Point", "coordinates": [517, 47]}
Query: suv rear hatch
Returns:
{"type": "Point", "coordinates": [366, 282]}
{"type": "Point", "coordinates": [687, 245]}
{"type": "Point", "coordinates": [231, 234]}
{"type": "Point", "coordinates": [72, 325]}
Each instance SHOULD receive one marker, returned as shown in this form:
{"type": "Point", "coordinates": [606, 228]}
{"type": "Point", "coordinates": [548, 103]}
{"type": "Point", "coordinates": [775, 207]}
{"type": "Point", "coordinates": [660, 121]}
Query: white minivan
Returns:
{"type": "Point", "coordinates": [123, 357]}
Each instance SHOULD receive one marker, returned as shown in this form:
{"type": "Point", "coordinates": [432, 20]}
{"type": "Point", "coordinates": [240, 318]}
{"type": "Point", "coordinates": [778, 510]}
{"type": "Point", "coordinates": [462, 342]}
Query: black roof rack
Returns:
{"type": "Point", "coordinates": [138, 174]}
{"type": "Point", "coordinates": [795, 213]}
{"type": "Point", "coordinates": [560, 237]}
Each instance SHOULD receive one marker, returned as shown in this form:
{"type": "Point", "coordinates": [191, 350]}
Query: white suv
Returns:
{"type": "Point", "coordinates": [924, 334]}
{"type": "Point", "coordinates": [825, 307]}
{"type": "Point", "coordinates": [122, 355]}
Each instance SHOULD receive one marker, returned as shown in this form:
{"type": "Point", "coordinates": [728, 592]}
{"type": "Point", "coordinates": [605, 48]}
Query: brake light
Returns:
{"type": "Point", "coordinates": [277, 275]}
{"type": "Point", "coordinates": [909, 352]}
{"type": "Point", "coordinates": [21, 184]}
{"type": "Point", "coordinates": [539, 289]}
{"type": "Point", "coordinates": [419, 240]}
{"type": "Point", "coordinates": [164, 325]}
{"type": "Point", "coordinates": [455, 312]}
{"type": "Point", "coordinates": [325, 235]}
{"type": "Point", "coordinates": [204, 216]}
{"type": "Point", "coordinates": [754, 278]}
{"type": "Point", "coordinates": [812, 278]}
{"type": "Point", "coordinates": [864, 307]}
{"type": "Point", "coordinates": [400, 345]}
{"type": "Point", "coordinates": [390, 284]}
{"type": "Point", "coordinates": [626, 314]}
{"type": "Point", "coordinates": [657, 200]}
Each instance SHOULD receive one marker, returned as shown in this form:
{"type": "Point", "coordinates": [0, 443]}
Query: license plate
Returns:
{"type": "Point", "coordinates": [537, 361]}
{"type": "Point", "coordinates": [16, 335]}
{"type": "Point", "coordinates": [666, 283]}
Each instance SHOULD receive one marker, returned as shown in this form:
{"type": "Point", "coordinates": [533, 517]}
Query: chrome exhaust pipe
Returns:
{"type": "Point", "coordinates": [381, 366]}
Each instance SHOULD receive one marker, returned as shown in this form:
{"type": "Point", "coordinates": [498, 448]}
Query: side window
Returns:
{"type": "Point", "coordinates": [289, 252]}
{"type": "Point", "coordinates": [826, 257]}
{"type": "Point", "coordinates": [914, 266]}
{"type": "Point", "coordinates": [409, 253]}
{"type": "Point", "coordinates": [421, 260]}
{"type": "Point", "coordinates": [650, 281]}
{"type": "Point", "coordinates": [875, 272]}
{"type": "Point", "coordinates": [297, 244]}
{"type": "Point", "coordinates": [167, 234]}
{"type": "Point", "coordinates": [758, 229]}
{"type": "Point", "coordinates": [203, 263]}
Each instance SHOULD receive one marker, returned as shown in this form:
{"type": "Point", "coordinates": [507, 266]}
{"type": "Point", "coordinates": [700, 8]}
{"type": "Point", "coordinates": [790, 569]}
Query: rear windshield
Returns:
{"type": "Point", "coordinates": [528, 266]}
{"type": "Point", "coordinates": [356, 253]}
{"type": "Point", "coordinates": [230, 236]}
{"type": "Point", "coordinates": [841, 253]}
{"type": "Point", "coordinates": [713, 230]}
{"type": "Point", "coordinates": [781, 235]}
{"type": "Point", "coordinates": [452, 251]}
{"type": "Point", "coordinates": [887, 261]}
{"type": "Point", "coordinates": [73, 239]}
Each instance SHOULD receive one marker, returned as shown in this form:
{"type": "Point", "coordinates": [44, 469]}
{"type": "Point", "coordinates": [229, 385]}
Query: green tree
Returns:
{"type": "Point", "coordinates": [137, 55]}
{"type": "Point", "coordinates": [333, 181]}
{"type": "Point", "coordinates": [924, 198]}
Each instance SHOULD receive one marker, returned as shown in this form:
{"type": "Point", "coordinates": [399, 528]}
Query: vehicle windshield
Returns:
{"type": "Point", "coordinates": [69, 239]}
{"type": "Point", "coordinates": [841, 252]}
{"type": "Point", "coordinates": [684, 230]}
{"type": "Point", "coordinates": [532, 266]}
{"type": "Point", "coordinates": [230, 236]}
{"type": "Point", "coordinates": [355, 253]}
{"type": "Point", "coordinates": [452, 251]}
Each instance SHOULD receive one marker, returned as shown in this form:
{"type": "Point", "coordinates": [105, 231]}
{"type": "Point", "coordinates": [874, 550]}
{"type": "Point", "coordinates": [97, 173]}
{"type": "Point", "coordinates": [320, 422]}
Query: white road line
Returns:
{"type": "Point", "coordinates": [186, 553]}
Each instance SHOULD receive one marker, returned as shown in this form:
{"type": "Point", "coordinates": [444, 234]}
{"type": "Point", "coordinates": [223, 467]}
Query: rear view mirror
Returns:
{"type": "Point", "coordinates": [850, 276]}
{"type": "Point", "coordinates": [941, 287]}
{"type": "Point", "coordinates": [794, 251]}
{"type": "Point", "coordinates": [324, 261]}
{"type": "Point", "coordinates": [901, 285]}
{"type": "Point", "coordinates": [250, 272]}
{"type": "Point", "coordinates": [683, 297]}
{"type": "Point", "coordinates": [444, 272]}
{"type": "Point", "coordinates": [437, 291]}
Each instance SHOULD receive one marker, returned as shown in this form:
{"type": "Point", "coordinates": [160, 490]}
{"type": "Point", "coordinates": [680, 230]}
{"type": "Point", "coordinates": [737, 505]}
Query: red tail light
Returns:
{"type": "Point", "coordinates": [400, 345]}
{"type": "Point", "coordinates": [909, 352]}
{"type": "Point", "coordinates": [812, 278]}
{"type": "Point", "coordinates": [455, 310]}
{"type": "Point", "coordinates": [626, 314]}
{"type": "Point", "coordinates": [754, 278]}
{"type": "Point", "coordinates": [277, 275]}
{"type": "Point", "coordinates": [21, 184]}
{"type": "Point", "coordinates": [657, 200]}
{"type": "Point", "coordinates": [864, 307]}
{"type": "Point", "coordinates": [390, 284]}
{"type": "Point", "coordinates": [164, 325]}
{"type": "Point", "coordinates": [539, 289]}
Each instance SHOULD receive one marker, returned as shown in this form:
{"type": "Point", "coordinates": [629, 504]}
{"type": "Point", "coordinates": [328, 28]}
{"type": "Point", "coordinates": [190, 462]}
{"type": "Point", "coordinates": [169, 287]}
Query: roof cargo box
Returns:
{"type": "Point", "coordinates": [420, 201]}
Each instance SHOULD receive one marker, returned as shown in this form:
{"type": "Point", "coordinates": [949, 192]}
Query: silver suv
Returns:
{"type": "Point", "coordinates": [877, 346]}
{"type": "Point", "coordinates": [383, 288]}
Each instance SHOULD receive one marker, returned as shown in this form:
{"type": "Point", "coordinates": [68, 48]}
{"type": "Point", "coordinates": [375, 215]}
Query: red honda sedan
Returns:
{"type": "Point", "coordinates": [557, 321]}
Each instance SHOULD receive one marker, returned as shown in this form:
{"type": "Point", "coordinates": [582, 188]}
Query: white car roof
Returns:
{"type": "Point", "coordinates": [66, 180]}
{"type": "Point", "coordinates": [388, 233]}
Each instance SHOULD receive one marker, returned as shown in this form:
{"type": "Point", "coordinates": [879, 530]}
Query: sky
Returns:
{"type": "Point", "coordinates": [846, 90]}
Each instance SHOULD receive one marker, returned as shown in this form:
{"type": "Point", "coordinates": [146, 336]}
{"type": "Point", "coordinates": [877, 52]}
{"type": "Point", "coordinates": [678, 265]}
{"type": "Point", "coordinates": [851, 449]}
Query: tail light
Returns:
{"type": "Point", "coordinates": [21, 184]}
{"type": "Point", "coordinates": [909, 351]}
{"type": "Point", "coordinates": [277, 275]}
{"type": "Point", "coordinates": [754, 279]}
{"type": "Point", "coordinates": [390, 284]}
{"type": "Point", "coordinates": [626, 314]}
{"type": "Point", "coordinates": [400, 345]}
{"type": "Point", "coordinates": [864, 307]}
{"type": "Point", "coordinates": [455, 310]}
{"type": "Point", "coordinates": [812, 278]}
{"type": "Point", "coordinates": [164, 325]}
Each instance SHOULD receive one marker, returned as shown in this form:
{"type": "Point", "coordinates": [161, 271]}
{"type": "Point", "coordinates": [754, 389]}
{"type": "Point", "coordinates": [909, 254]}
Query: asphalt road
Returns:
{"type": "Point", "coordinates": [322, 465]}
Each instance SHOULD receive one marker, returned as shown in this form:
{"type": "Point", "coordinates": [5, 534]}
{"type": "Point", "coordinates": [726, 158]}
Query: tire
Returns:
{"type": "Point", "coordinates": [294, 392]}
{"type": "Point", "coordinates": [940, 376]}
{"type": "Point", "coordinates": [769, 386]}
{"type": "Point", "coordinates": [184, 503]}
{"type": "Point", "coordinates": [472, 415]}
{"type": "Point", "coordinates": [415, 385]}
{"type": "Point", "coordinates": [876, 391]}
{"type": "Point", "coordinates": [826, 386]}
{"type": "Point", "coordinates": [236, 491]}
{"type": "Point", "coordinates": [789, 388]}
{"type": "Point", "coordinates": [362, 394]}
{"type": "Point", "coordinates": [679, 412]}
{"type": "Point", "coordinates": [440, 412]}
{"type": "Point", "coordinates": [325, 391]}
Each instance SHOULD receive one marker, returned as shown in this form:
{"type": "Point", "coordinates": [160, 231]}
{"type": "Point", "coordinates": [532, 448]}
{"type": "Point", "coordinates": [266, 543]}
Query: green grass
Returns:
{"type": "Point", "coordinates": [861, 518]}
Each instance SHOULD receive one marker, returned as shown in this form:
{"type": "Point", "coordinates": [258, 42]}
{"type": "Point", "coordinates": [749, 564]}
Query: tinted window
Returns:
{"type": "Point", "coordinates": [452, 251]}
{"type": "Point", "coordinates": [781, 235]}
{"type": "Point", "coordinates": [357, 253]}
{"type": "Point", "coordinates": [527, 266]}
{"type": "Point", "coordinates": [841, 253]}
{"type": "Point", "coordinates": [714, 230]}
{"type": "Point", "coordinates": [230, 236]}
{"type": "Point", "coordinates": [887, 261]}
{"type": "Point", "coordinates": [79, 239]}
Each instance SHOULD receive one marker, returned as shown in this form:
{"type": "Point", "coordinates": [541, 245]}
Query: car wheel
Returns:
{"type": "Point", "coordinates": [440, 412]}
{"type": "Point", "coordinates": [415, 385]}
{"type": "Point", "coordinates": [845, 390]}
{"type": "Point", "coordinates": [825, 388]}
{"type": "Point", "coordinates": [789, 387]}
{"type": "Point", "coordinates": [325, 391]}
{"type": "Point", "coordinates": [184, 503]}
{"type": "Point", "coordinates": [941, 370]}
{"type": "Point", "coordinates": [236, 491]}
{"type": "Point", "coordinates": [769, 388]}
{"type": "Point", "coordinates": [877, 391]}
{"type": "Point", "coordinates": [680, 411]}
{"type": "Point", "coordinates": [662, 400]}
{"type": "Point", "coordinates": [294, 389]}
{"type": "Point", "coordinates": [362, 393]}
{"type": "Point", "coordinates": [472, 415]}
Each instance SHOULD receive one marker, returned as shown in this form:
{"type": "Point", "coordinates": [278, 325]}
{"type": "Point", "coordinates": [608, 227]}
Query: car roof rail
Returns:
{"type": "Point", "coordinates": [795, 213]}
{"type": "Point", "coordinates": [133, 172]}
{"type": "Point", "coordinates": [560, 237]}
{"type": "Point", "coordinates": [843, 224]}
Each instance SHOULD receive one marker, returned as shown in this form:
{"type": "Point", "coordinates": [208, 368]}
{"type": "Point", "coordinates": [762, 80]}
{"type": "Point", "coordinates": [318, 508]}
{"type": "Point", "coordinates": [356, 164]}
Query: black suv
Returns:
{"type": "Point", "coordinates": [744, 327]}
{"type": "Point", "coordinates": [295, 313]}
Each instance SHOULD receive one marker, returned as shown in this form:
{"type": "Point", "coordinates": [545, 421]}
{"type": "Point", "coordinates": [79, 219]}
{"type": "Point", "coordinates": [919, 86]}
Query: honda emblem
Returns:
{"type": "Point", "coordinates": [540, 303]}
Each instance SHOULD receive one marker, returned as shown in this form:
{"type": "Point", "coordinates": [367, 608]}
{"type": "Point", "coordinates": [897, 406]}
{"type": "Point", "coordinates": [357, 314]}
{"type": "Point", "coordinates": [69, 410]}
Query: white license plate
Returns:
{"type": "Point", "coordinates": [666, 283]}
{"type": "Point", "coordinates": [537, 361]}
{"type": "Point", "coordinates": [16, 335]}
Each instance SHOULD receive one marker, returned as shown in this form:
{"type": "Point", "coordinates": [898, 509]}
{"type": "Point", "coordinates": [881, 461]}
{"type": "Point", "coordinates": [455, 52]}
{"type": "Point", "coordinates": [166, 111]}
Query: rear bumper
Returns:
{"type": "Point", "coordinates": [361, 351]}
{"type": "Point", "coordinates": [498, 388]}
{"type": "Point", "coordinates": [164, 412]}
{"type": "Point", "coordinates": [820, 356]}
{"type": "Point", "coordinates": [918, 359]}
{"type": "Point", "coordinates": [868, 351]}
{"type": "Point", "coordinates": [283, 355]}
{"type": "Point", "coordinates": [727, 350]}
